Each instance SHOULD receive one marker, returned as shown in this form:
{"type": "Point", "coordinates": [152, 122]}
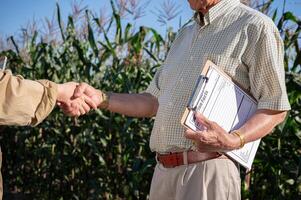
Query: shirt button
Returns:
{"type": "Point", "coordinates": [162, 128]}
{"type": "Point", "coordinates": [191, 58]}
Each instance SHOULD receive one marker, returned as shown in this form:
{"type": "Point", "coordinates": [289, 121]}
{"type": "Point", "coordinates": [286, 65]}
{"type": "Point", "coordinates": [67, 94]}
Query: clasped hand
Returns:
{"type": "Point", "coordinates": [78, 99]}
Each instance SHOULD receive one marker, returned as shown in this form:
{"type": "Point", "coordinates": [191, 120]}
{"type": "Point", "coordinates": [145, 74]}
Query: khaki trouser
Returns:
{"type": "Point", "coordinates": [216, 179]}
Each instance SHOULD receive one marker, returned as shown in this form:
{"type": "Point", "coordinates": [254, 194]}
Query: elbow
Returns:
{"type": "Point", "coordinates": [154, 106]}
{"type": "Point", "coordinates": [281, 116]}
{"type": "Point", "coordinates": [154, 109]}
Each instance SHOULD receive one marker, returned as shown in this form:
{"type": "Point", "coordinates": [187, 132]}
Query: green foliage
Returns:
{"type": "Point", "coordinates": [276, 171]}
{"type": "Point", "coordinates": [105, 155]}
{"type": "Point", "coordinates": [98, 156]}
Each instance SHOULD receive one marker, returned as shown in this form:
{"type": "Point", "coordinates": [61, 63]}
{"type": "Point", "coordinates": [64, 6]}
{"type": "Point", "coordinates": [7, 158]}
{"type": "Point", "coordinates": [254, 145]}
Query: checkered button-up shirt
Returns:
{"type": "Point", "coordinates": [243, 42]}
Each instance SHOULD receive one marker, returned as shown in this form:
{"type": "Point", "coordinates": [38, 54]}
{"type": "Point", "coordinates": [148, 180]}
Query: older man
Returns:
{"type": "Point", "coordinates": [247, 46]}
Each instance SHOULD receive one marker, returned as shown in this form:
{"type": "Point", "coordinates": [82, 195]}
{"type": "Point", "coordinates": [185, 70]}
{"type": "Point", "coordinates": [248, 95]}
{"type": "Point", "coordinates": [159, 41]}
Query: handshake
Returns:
{"type": "Point", "coordinates": [76, 99]}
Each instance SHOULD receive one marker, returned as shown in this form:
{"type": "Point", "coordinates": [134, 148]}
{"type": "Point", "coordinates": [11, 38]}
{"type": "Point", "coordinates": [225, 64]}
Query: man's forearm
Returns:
{"type": "Point", "coordinates": [134, 105]}
{"type": "Point", "coordinates": [261, 123]}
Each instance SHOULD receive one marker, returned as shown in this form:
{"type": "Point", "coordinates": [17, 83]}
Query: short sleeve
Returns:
{"type": "Point", "coordinates": [155, 85]}
{"type": "Point", "coordinates": [266, 73]}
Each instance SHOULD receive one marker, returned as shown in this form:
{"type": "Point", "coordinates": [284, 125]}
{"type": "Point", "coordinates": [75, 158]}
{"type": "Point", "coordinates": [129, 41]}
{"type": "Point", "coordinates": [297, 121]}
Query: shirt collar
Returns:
{"type": "Point", "coordinates": [221, 8]}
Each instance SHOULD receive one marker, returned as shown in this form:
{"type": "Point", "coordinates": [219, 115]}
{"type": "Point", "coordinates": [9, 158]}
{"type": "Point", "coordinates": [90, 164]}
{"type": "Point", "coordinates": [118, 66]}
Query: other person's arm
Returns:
{"type": "Point", "coordinates": [27, 102]}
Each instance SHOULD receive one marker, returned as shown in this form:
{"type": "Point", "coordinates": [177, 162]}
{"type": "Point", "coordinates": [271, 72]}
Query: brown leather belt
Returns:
{"type": "Point", "coordinates": [171, 160]}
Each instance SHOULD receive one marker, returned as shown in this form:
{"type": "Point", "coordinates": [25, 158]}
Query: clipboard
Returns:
{"type": "Point", "coordinates": [3, 62]}
{"type": "Point", "coordinates": [221, 99]}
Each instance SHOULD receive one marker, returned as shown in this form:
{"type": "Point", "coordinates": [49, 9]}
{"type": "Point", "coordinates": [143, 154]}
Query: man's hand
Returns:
{"type": "Point", "coordinates": [83, 98]}
{"type": "Point", "coordinates": [84, 89]}
{"type": "Point", "coordinates": [73, 106]}
{"type": "Point", "coordinates": [213, 138]}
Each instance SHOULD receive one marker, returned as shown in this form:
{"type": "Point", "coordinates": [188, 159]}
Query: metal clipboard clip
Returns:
{"type": "Point", "coordinates": [3, 62]}
{"type": "Point", "coordinates": [193, 101]}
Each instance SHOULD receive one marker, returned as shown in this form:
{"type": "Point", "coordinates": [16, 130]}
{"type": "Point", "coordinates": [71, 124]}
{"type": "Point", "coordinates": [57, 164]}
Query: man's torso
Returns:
{"type": "Point", "coordinates": [227, 39]}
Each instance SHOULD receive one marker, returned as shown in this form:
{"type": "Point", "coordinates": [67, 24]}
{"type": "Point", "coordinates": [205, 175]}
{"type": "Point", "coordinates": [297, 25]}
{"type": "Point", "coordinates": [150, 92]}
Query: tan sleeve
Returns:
{"type": "Point", "coordinates": [25, 102]}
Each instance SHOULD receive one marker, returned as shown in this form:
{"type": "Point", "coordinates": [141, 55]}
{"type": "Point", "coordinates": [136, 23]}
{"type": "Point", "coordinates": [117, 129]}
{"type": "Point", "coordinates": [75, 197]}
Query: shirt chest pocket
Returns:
{"type": "Point", "coordinates": [233, 67]}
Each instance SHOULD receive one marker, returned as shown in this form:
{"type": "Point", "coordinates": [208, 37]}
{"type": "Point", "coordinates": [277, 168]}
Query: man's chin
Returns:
{"type": "Point", "coordinates": [200, 10]}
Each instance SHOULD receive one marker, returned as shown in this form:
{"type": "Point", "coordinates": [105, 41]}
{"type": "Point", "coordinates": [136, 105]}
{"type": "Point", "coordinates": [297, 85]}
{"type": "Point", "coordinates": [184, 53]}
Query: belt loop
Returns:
{"type": "Point", "coordinates": [185, 158]}
{"type": "Point", "coordinates": [156, 157]}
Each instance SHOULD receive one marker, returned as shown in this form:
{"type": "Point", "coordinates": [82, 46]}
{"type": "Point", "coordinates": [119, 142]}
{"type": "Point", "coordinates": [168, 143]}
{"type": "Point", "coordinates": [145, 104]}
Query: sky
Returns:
{"type": "Point", "coordinates": [15, 14]}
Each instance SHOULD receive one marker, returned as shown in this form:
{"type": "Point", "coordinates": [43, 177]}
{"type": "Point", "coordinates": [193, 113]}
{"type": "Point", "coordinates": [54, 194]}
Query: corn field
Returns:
{"type": "Point", "coordinates": [104, 155]}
